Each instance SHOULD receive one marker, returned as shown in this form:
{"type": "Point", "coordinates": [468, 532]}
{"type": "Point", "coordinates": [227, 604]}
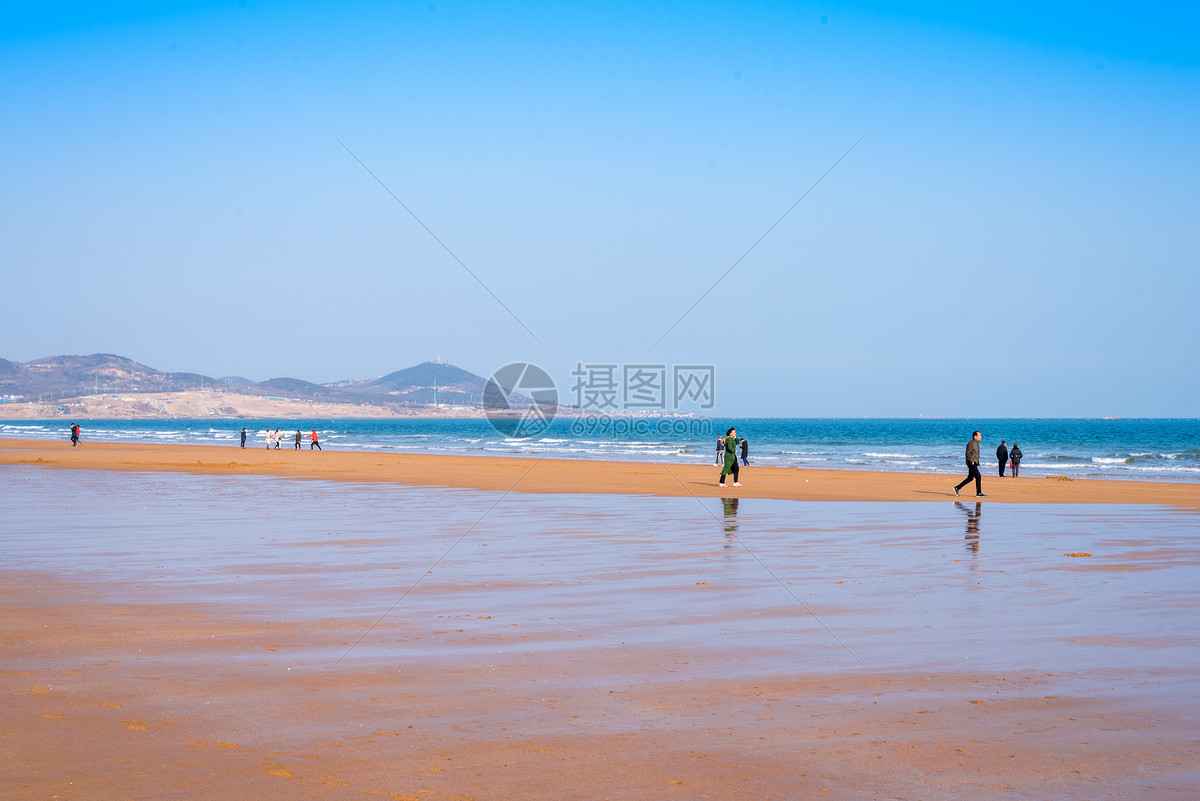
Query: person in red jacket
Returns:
{"type": "Point", "coordinates": [315, 441]}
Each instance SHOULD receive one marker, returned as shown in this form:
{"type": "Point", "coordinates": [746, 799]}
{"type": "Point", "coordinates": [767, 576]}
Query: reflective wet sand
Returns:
{"type": "Point", "coordinates": [167, 635]}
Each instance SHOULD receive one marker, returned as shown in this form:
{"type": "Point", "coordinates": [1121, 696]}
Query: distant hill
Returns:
{"type": "Point", "coordinates": [424, 384]}
{"type": "Point", "coordinates": [61, 377]}
{"type": "Point", "coordinates": [72, 376]}
{"type": "Point", "coordinates": [297, 389]}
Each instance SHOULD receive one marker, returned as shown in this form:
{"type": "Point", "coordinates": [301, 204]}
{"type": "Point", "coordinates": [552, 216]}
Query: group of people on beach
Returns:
{"type": "Point", "coordinates": [1011, 458]}
{"type": "Point", "coordinates": [75, 434]}
{"type": "Point", "coordinates": [276, 439]}
{"type": "Point", "coordinates": [721, 450]}
{"type": "Point", "coordinates": [728, 445]}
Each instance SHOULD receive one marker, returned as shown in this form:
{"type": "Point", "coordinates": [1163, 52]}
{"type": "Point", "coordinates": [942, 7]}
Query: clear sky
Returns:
{"type": "Point", "coordinates": [1016, 235]}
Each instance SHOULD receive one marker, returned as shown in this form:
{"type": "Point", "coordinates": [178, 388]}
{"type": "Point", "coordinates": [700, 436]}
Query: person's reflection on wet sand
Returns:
{"type": "Point", "coordinates": [972, 536]}
{"type": "Point", "coordinates": [731, 510]}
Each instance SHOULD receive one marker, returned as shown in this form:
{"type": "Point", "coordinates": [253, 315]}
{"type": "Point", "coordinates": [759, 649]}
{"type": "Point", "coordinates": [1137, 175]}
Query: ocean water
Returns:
{"type": "Point", "coordinates": [1161, 449]}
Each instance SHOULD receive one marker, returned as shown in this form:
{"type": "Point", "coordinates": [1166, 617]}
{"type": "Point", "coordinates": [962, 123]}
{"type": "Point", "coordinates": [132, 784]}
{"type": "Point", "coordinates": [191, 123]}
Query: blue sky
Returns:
{"type": "Point", "coordinates": [1015, 235]}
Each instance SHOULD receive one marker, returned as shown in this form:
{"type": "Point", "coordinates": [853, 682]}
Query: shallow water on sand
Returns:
{"type": "Point", "coordinates": [745, 587]}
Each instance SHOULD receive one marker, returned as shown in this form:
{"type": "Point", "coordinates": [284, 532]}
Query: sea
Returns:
{"type": "Point", "coordinates": [1158, 449]}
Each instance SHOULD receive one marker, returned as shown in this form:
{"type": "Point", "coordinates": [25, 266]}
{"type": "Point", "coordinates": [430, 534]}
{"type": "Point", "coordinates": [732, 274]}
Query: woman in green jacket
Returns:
{"type": "Point", "coordinates": [731, 462]}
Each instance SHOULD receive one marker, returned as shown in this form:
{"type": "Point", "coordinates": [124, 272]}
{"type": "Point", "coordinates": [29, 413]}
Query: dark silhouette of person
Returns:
{"type": "Point", "coordinates": [745, 453]}
{"type": "Point", "coordinates": [243, 438]}
{"type": "Point", "coordinates": [1002, 455]}
{"type": "Point", "coordinates": [299, 436]}
{"type": "Point", "coordinates": [731, 509]}
{"type": "Point", "coordinates": [1015, 455]}
{"type": "Point", "coordinates": [971, 538]}
{"type": "Point", "coordinates": [74, 435]}
{"type": "Point", "coordinates": [973, 467]}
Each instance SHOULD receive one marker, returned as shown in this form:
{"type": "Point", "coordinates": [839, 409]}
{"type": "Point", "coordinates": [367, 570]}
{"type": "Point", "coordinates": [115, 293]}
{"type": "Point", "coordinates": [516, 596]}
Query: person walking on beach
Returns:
{"type": "Point", "coordinates": [745, 453]}
{"type": "Point", "coordinates": [731, 462]}
{"type": "Point", "coordinates": [1015, 456]}
{"type": "Point", "coordinates": [316, 443]}
{"type": "Point", "coordinates": [298, 438]}
{"type": "Point", "coordinates": [720, 450]}
{"type": "Point", "coordinates": [74, 434]}
{"type": "Point", "coordinates": [277, 438]}
{"type": "Point", "coordinates": [243, 439]}
{"type": "Point", "coordinates": [267, 438]}
{"type": "Point", "coordinates": [1002, 455]}
{"type": "Point", "coordinates": [973, 467]}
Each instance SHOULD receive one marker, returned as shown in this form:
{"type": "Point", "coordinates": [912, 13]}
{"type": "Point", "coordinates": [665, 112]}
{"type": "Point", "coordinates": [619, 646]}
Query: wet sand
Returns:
{"type": "Point", "coordinates": [579, 476]}
{"type": "Point", "coordinates": [175, 636]}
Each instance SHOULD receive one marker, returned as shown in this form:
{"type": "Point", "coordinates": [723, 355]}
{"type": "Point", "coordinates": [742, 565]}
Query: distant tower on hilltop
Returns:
{"type": "Point", "coordinates": [437, 358]}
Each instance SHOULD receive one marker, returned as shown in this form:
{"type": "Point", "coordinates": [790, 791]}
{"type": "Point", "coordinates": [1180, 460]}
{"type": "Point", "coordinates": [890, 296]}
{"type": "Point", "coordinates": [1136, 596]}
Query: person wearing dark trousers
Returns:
{"type": "Point", "coordinates": [316, 442]}
{"type": "Point", "coordinates": [973, 467]}
{"type": "Point", "coordinates": [745, 453]}
{"type": "Point", "coordinates": [243, 438]}
{"type": "Point", "coordinates": [1015, 456]}
{"type": "Point", "coordinates": [731, 464]}
{"type": "Point", "coordinates": [298, 437]}
{"type": "Point", "coordinates": [1002, 455]}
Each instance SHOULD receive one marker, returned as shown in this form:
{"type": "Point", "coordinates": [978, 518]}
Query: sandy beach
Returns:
{"type": "Point", "coordinates": [193, 622]}
{"type": "Point", "coordinates": [581, 476]}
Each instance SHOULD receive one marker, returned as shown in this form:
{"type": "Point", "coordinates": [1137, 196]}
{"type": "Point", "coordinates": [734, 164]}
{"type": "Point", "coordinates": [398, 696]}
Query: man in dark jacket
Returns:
{"type": "Point", "coordinates": [973, 467]}
{"type": "Point", "coordinates": [1015, 455]}
{"type": "Point", "coordinates": [1002, 455]}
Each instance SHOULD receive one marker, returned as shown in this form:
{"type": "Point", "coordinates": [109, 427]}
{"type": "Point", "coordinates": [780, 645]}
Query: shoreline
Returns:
{"type": "Point", "coordinates": [575, 476]}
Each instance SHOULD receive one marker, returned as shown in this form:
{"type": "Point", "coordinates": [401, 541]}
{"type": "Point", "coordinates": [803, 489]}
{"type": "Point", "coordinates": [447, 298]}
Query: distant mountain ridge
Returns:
{"type": "Point", "coordinates": [59, 377]}
{"type": "Point", "coordinates": [425, 383]}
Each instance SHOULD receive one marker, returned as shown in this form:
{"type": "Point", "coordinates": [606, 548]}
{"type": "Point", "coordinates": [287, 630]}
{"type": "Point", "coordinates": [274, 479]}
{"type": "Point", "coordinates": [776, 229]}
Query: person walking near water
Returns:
{"type": "Point", "coordinates": [720, 450]}
{"type": "Point", "coordinates": [973, 467]}
{"type": "Point", "coordinates": [1002, 455]}
{"type": "Point", "coordinates": [1015, 455]}
{"type": "Point", "coordinates": [316, 443]}
{"type": "Point", "coordinates": [277, 438]}
{"type": "Point", "coordinates": [74, 434]}
{"type": "Point", "coordinates": [731, 462]}
{"type": "Point", "coordinates": [745, 453]}
{"type": "Point", "coordinates": [243, 439]}
{"type": "Point", "coordinates": [298, 438]}
{"type": "Point", "coordinates": [267, 438]}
